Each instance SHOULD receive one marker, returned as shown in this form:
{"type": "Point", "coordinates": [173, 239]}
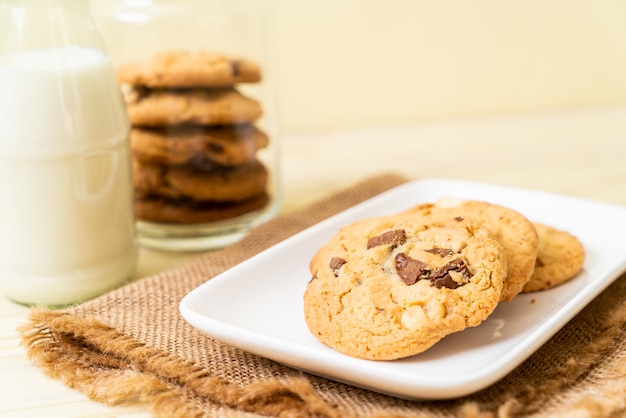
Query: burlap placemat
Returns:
{"type": "Point", "coordinates": [132, 345]}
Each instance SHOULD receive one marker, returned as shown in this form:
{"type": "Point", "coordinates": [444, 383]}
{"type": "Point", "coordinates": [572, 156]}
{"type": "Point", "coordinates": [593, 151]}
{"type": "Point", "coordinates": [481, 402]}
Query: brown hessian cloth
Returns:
{"type": "Point", "coordinates": [132, 346]}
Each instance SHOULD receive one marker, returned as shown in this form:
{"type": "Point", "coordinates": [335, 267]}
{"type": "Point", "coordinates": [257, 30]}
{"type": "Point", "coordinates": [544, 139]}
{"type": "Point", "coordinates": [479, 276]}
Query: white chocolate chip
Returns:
{"type": "Point", "coordinates": [413, 317]}
{"type": "Point", "coordinates": [435, 309]}
{"type": "Point", "coordinates": [458, 277]}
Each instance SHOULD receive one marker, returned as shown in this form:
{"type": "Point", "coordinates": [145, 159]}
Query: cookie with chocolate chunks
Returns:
{"type": "Point", "coordinates": [189, 69]}
{"type": "Point", "coordinates": [200, 183]}
{"type": "Point", "coordinates": [209, 107]}
{"type": "Point", "coordinates": [226, 145]}
{"type": "Point", "coordinates": [189, 211]}
{"type": "Point", "coordinates": [391, 287]}
{"type": "Point", "coordinates": [559, 258]}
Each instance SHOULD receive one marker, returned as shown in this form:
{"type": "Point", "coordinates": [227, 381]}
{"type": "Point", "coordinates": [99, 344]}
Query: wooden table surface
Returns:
{"type": "Point", "coordinates": [577, 152]}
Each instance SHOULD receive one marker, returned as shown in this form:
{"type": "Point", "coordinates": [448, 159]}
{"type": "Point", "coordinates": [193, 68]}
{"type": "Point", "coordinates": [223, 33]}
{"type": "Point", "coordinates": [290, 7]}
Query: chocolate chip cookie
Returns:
{"type": "Point", "coordinates": [148, 107]}
{"type": "Point", "coordinates": [189, 211]}
{"type": "Point", "coordinates": [391, 287]}
{"type": "Point", "coordinates": [560, 257]}
{"type": "Point", "coordinates": [212, 183]}
{"type": "Point", "coordinates": [189, 69]}
{"type": "Point", "coordinates": [226, 145]}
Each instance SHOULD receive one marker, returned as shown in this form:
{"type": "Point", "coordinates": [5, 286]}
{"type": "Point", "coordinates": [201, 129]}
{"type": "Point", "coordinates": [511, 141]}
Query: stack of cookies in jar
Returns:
{"type": "Point", "coordinates": [194, 139]}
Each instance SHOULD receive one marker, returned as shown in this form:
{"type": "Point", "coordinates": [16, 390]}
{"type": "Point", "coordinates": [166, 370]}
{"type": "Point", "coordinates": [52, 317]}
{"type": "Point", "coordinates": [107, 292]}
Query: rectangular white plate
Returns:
{"type": "Point", "coordinates": [257, 305]}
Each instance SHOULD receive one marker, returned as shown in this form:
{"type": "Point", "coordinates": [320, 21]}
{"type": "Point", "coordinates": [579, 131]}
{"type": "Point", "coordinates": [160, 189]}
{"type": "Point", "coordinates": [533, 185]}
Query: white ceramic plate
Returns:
{"type": "Point", "coordinates": [257, 305]}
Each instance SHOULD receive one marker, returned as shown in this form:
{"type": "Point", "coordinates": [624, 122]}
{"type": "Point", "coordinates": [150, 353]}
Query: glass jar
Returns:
{"type": "Point", "coordinates": [198, 80]}
{"type": "Point", "coordinates": [67, 220]}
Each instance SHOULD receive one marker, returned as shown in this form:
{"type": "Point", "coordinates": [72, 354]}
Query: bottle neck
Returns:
{"type": "Point", "coordinates": [42, 24]}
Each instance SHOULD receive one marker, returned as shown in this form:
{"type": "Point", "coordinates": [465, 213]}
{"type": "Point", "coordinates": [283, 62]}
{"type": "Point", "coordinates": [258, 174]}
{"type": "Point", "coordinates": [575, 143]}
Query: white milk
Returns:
{"type": "Point", "coordinates": [66, 215]}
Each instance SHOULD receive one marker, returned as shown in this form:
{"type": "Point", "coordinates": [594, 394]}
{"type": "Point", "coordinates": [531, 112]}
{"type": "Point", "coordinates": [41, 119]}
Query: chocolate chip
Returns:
{"type": "Point", "coordinates": [442, 278]}
{"type": "Point", "coordinates": [216, 148]}
{"type": "Point", "coordinates": [140, 92]}
{"type": "Point", "coordinates": [409, 269]}
{"type": "Point", "coordinates": [201, 162]}
{"type": "Point", "coordinates": [441, 252]}
{"type": "Point", "coordinates": [445, 281]}
{"type": "Point", "coordinates": [395, 237]}
{"type": "Point", "coordinates": [458, 218]}
{"type": "Point", "coordinates": [336, 263]}
{"type": "Point", "coordinates": [234, 65]}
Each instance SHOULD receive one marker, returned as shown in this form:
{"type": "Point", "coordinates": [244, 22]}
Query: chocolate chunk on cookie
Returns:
{"type": "Point", "coordinates": [560, 257]}
{"type": "Point", "coordinates": [389, 237]}
{"type": "Point", "coordinates": [189, 69]}
{"type": "Point", "coordinates": [514, 231]}
{"type": "Point", "coordinates": [190, 106]}
{"type": "Point", "coordinates": [227, 145]}
{"type": "Point", "coordinates": [391, 287]}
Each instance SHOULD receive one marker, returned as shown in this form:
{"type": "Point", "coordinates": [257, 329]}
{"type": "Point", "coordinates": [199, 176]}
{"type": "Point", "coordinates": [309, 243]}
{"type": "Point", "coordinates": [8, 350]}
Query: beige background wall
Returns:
{"type": "Point", "coordinates": [350, 62]}
{"type": "Point", "coordinates": [360, 63]}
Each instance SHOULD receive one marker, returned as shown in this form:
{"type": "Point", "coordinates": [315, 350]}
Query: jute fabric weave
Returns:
{"type": "Point", "coordinates": [132, 346]}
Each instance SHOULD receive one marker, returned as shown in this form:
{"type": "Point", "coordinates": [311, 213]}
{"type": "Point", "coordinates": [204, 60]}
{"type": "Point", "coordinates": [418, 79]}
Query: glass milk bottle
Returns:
{"type": "Point", "coordinates": [67, 229]}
